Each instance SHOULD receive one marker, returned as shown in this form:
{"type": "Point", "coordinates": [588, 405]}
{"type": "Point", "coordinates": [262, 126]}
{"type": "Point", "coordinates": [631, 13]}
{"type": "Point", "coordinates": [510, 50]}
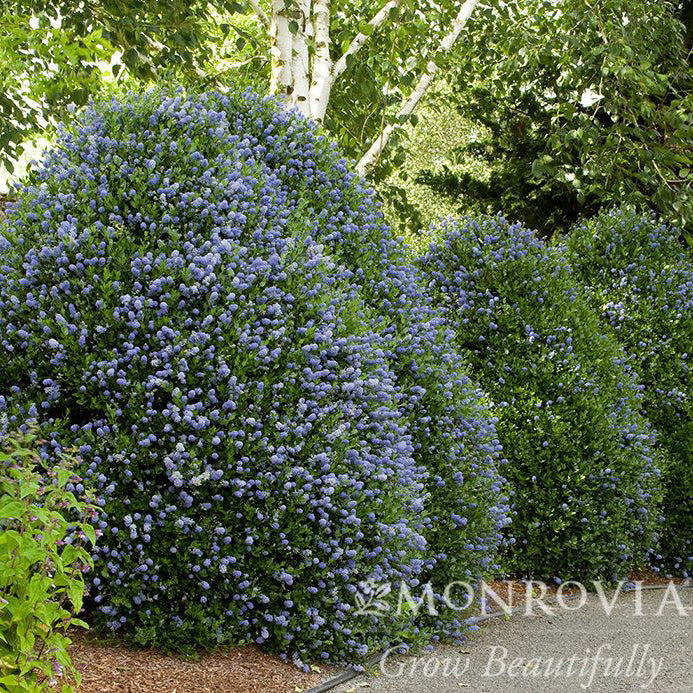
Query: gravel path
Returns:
{"type": "Point", "coordinates": [652, 650]}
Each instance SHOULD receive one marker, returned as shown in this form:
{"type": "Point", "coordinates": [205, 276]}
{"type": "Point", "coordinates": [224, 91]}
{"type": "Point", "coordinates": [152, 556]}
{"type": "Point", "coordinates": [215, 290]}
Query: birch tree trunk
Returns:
{"type": "Point", "coordinates": [295, 79]}
{"type": "Point", "coordinates": [370, 158]}
{"type": "Point", "coordinates": [321, 78]}
{"type": "Point", "coordinates": [281, 50]}
{"type": "Point", "coordinates": [303, 79]}
{"type": "Point", "coordinates": [300, 61]}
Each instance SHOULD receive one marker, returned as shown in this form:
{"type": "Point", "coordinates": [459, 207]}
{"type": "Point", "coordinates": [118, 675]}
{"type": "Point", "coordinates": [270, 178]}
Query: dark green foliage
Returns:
{"type": "Point", "coordinates": [581, 105]}
{"type": "Point", "coordinates": [581, 463]}
{"type": "Point", "coordinates": [640, 280]}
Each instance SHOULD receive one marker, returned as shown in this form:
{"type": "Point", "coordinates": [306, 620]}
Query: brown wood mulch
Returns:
{"type": "Point", "coordinates": [109, 668]}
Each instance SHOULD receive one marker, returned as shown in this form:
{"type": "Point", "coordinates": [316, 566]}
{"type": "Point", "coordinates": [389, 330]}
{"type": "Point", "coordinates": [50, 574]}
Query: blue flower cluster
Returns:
{"type": "Point", "coordinates": [449, 418]}
{"type": "Point", "coordinates": [199, 296]}
{"type": "Point", "coordinates": [640, 280]}
{"type": "Point", "coordinates": [581, 463]}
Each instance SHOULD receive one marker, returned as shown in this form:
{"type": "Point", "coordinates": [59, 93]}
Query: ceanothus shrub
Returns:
{"type": "Point", "coordinates": [243, 395]}
{"type": "Point", "coordinates": [580, 459]}
{"type": "Point", "coordinates": [227, 396]}
{"type": "Point", "coordinates": [452, 434]}
{"type": "Point", "coordinates": [640, 280]}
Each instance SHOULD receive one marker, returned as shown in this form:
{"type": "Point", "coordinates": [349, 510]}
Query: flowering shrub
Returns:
{"type": "Point", "coordinates": [42, 563]}
{"type": "Point", "coordinates": [453, 433]}
{"type": "Point", "coordinates": [580, 457]}
{"type": "Point", "coordinates": [640, 280]}
{"type": "Point", "coordinates": [269, 409]}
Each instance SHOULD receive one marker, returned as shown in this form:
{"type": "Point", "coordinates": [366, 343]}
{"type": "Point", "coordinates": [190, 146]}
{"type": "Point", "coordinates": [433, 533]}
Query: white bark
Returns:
{"type": "Point", "coordinates": [371, 157]}
{"type": "Point", "coordinates": [300, 97]}
{"type": "Point", "coordinates": [281, 48]}
{"type": "Point", "coordinates": [296, 81]}
{"type": "Point", "coordinates": [306, 84]}
{"type": "Point", "coordinates": [261, 14]}
{"type": "Point", "coordinates": [358, 40]}
{"type": "Point", "coordinates": [321, 77]}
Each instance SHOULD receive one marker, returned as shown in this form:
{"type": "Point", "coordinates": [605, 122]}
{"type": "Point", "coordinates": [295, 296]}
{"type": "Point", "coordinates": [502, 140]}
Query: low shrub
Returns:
{"type": "Point", "coordinates": [639, 280]}
{"type": "Point", "coordinates": [43, 557]}
{"type": "Point", "coordinates": [581, 464]}
{"type": "Point", "coordinates": [270, 421]}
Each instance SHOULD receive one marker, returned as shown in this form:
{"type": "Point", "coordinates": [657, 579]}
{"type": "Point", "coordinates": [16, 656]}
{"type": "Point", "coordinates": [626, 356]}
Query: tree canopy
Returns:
{"type": "Point", "coordinates": [581, 103]}
{"type": "Point", "coordinates": [574, 104]}
{"type": "Point", "coordinates": [370, 61]}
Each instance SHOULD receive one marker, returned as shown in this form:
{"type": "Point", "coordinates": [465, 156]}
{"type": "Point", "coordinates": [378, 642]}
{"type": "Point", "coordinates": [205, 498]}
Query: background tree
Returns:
{"type": "Point", "coordinates": [43, 69]}
{"type": "Point", "coordinates": [359, 66]}
{"type": "Point", "coordinates": [53, 53]}
{"type": "Point", "coordinates": [577, 104]}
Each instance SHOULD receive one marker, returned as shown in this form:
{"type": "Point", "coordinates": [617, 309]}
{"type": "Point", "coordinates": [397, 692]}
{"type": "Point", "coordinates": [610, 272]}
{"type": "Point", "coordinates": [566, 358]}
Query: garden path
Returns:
{"type": "Point", "coordinates": [646, 648]}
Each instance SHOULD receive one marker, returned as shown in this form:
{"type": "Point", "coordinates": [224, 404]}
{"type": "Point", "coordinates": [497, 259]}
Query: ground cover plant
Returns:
{"type": "Point", "coordinates": [639, 279]}
{"type": "Point", "coordinates": [198, 294]}
{"type": "Point", "coordinates": [581, 459]}
{"type": "Point", "coordinates": [43, 558]}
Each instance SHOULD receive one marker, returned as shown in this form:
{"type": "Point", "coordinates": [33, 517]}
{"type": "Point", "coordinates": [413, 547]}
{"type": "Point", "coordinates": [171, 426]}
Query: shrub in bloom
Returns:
{"type": "Point", "coordinates": [268, 420]}
{"type": "Point", "coordinates": [581, 464]}
{"type": "Point", "coordinates": [639, 279]}
{"type": "Point", "coordinates": [452, 429]}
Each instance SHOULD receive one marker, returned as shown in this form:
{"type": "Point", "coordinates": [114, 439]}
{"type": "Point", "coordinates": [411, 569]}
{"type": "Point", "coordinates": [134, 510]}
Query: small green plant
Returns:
{"type": "Point", "coordinates": [43, 557]}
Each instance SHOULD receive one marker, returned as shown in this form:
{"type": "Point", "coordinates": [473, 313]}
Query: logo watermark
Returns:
{"type": "Point", "coordinates": [527, 597]}
{"type": "Point", "coordinates": [585, 668]}
{"type": "Point", "coordinates": [371, 598]}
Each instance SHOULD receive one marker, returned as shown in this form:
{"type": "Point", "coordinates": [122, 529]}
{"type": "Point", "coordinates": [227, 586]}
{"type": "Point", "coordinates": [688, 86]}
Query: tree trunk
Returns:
{"type": "Point", "coordinates": [300, 97]}
{"type": "Point", "coordinates": [305, 83]}
{"type": "Point", "coordinates": [321, 78]}
{"type": "Point", "coordinates": [370, 159]}
{"type": "Point", "coordinates": [281, 49]}
{"type": "Point", "coordinates": [295, 79]}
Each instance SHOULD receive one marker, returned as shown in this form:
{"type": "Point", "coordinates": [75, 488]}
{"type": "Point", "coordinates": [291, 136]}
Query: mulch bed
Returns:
{"type": "Point", "coordinates": [109, 668]}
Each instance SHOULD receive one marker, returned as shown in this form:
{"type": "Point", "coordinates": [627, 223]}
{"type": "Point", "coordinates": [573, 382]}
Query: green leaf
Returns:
{"type": "Point", "coordinates": [11, 509]}
{"type": "Point", "coordinates": [75, 592]}
{"type": "Point", "coordinates": [63, 476]}
{"type": "Point", "coordinates": [90, 532]}
{"type": "Point", "coordinates": [537, 168]}
{"type": "Point", "coordinates": [365, 28]}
